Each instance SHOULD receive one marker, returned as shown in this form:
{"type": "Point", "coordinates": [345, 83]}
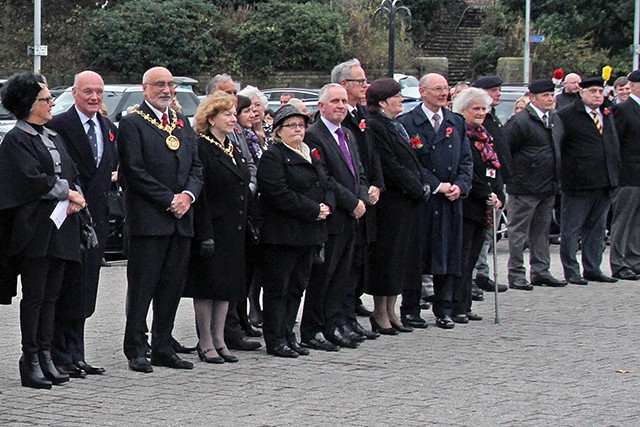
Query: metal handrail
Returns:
{"type": "Point", "coordinates": [457, 28]}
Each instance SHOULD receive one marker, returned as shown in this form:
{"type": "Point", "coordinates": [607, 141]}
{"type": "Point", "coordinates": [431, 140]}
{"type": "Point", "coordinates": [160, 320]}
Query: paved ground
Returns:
{"type": "Point", "coordinates": [552, 361]}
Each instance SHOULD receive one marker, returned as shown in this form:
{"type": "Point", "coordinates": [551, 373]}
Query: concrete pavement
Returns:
{"type": "Point", "coordinates": [551, 361]}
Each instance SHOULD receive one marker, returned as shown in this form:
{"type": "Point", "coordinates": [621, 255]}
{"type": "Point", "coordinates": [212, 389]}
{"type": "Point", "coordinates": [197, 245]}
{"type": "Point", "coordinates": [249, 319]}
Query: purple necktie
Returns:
{"type": "Point", "coordinates": [347, 155]}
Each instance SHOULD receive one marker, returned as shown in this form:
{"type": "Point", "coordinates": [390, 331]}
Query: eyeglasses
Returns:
{"type": "Point", "coordinates": [162, 85]}
{"type": "Point", "coordinates": [361, 82]}
{"type": "Point", "coordinates": [439, 89]}
{"type": "Point", "coordinates": [295, 125]}
{"type": "Point", "coordinates": [89, 92]}
{"type": "Point", "coordinates": [48, 99]}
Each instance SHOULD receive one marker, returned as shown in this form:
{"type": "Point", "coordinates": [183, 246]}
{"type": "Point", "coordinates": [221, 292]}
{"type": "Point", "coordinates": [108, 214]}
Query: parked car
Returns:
{"type": "Point", "coordinates": [510, 94]}
{"type": "Point", "coordinates": [410, 86]}
{"type": "Point", "coordinates": [308, 96]}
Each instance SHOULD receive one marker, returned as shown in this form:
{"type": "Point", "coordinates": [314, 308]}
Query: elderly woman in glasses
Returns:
{"type": "Point", "coordinates": [39, 202]}
{"type": "Point", "coordinates": [486, 193]}
{"type": "Point", "coordinates": [295, 200]}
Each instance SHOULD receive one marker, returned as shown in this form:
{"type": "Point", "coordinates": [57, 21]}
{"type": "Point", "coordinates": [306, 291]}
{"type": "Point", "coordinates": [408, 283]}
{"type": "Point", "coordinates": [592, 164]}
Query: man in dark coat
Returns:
{"type": "Point", "coordinates": [625, 225]}
{"type": "Point", "coordinates": [440, 138]}
{"type": "Point", "coordinates": [352, 77]}
{"type": "Point", "coordinates": [323, 313]}
{"type": "Point", "coordinates": [571, 91]}
{"type": "Point", "coordinates": [162, 176]}
{"type": "Point", "coordinates": [535, 177]}
{"type": "Point", "coordinates": [588, 177]}
{"type": "Point", "coordinates": [90, 140]}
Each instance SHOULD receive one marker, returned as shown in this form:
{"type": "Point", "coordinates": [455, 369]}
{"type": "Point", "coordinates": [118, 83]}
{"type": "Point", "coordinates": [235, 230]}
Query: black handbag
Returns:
{"type": "Point", "coordinates": [88, 237]}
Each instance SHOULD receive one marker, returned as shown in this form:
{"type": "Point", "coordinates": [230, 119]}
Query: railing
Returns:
{"type": "Point", "coordinates": [455, 31]}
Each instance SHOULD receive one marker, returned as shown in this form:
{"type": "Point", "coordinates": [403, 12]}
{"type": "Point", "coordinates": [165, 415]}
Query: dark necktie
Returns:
{"type": "Point", "coordinates": [165, 119]}
{"type": "Point", "coordinates": [93, 140]}
{"type": "Point", "coordinates": [347, 155]}
{"type": "Point", "coordinates": [545, 120]}
{"type": "Point", "coordinates": [436, 122]}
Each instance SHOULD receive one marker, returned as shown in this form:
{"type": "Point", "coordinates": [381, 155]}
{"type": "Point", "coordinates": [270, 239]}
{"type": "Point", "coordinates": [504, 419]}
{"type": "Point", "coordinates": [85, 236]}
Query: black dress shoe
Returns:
{"type": "Point", "coordinates": [229, 358]}
{"type": "Point", "coordinates": [172, 361]}
{"type": "Point", "coordinates": [282, 350]}
{"type": "Point", "coordinates": [460, 318]}
{"type": "Point", "coordinates": [473, 316]}
{"type": "Point", "coordinates": [319, 342]}
{"type": "Point", "coordinates": [488, 285]}
{"type": "Point", "coordinates": [424, 305]}
{"type": "Point", "coordinates": [548, 281]}
{"type": "Point", "coordinates": [72, 370]}
{"type": "Point", "coordinates": [414, 321]}
{"type": "Point", "coordinates": [350, 334]}
{"type": "Point", "coordinates": [140, 364]}
{"type": "Point", "coordinates": [477, 294]}
{"type": "Point", "coordinates": [360, 330]}
{"type": "Point", "coordinates": [521, 286]}
{"type": "Point", "coordinates": [298, 348]}
{"type": "Point", "coordinates": [179, 348]}
{"type": "Point", "coordinates": [90, 370]}
{"type": "Point", "coordinates": [379, 329]}
{"type": "Point", "coordinates": [626, 274]}
{"type": "Point", "coordinates": [599, 278]}
{"type": "Point", "coordinates": [243, 344]}
{"type": "Point", "coordinates": [362, 310]}
{"type": "Point", "coordinates": [253, 332]}
{"type": "Point", "coordinates": [202, 354]}
{"type": "Point", "coordinates": [401, 328]}
{"type": "Point", "coordinates": [338, 339]}
{"type": "Point", "coordinates": [577, 280]}
{"type": "Point", "coordinates": [445, 322]}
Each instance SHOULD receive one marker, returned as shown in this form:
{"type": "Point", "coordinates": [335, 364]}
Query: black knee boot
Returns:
{"type": "Point", "coordinates": [30, 372]}
{"type": "Point", "coordinates": [49, 370]}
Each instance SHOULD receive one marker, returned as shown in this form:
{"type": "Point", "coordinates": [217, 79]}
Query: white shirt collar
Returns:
{"type": "Point", "coordinates": [156, 111]}
{"type": "Point", "coordinates": [539, 112]}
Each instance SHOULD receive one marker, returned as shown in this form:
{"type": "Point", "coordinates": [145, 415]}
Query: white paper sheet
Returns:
{"type": "Point", "coordinates": [59, 214]}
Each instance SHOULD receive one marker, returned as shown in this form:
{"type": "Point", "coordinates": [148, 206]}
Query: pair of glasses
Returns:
{"type": "Point", "coordinates": [48, 99]}
{"type": "Point", "coordinates": [438, 89]}
{"type": "Point", "coordinates": [361, 82]}
{"type": "Point", "coordinates": [89, 92]}
{"type": "Point", "coordinates": [295, 125]}
{"type": "Point", "coordinates": [162, 85]}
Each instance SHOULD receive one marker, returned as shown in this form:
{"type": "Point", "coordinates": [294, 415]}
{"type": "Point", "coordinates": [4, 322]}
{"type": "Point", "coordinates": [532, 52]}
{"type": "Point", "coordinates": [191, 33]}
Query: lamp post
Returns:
{"type": "Point", "coordinates": [392, 8]}
{"type": "Point", "coordinates": [37, 24]}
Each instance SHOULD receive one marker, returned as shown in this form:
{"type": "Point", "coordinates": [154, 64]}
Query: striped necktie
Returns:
{"type": "Point", "coordinates": [596, 120]}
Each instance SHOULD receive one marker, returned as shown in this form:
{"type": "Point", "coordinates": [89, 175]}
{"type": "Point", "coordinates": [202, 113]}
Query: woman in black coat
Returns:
{"type": "Point", "coordinates": [395, 258]}
{"type": "Point", "coordinates": [295, 201]}
{"type": "Point", "coordinates": [486, 194]}
{"type": "Point", "coordinates": [37, 187]}
{"type": "Point", "coordinates": [217, 265]}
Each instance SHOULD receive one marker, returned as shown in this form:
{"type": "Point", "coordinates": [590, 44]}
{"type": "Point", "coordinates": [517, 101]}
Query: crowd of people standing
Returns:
{"type": "Point", "coordinates": [358, 199]}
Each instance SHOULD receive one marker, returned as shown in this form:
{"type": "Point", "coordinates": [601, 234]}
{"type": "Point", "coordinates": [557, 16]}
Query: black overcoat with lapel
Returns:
{"type": "Point", "coordinates": [220, 214]}
{"type": "Point", "coordinates": [80, 288]}
{"type": "Point", "coordinates": [341, 179]}
{"type": "Point", "coordinates": [589, 160]}
{"type": "Point", "coordinates": [627, 119]}
{"type": "Point", "coordinates": [291, 190]}
{"type": "Point", "coordinates": [370, 162]}
{"type": "Point", "coordinates": [152, 174]}
{"type": "Point", "coordinates": [446, 157]}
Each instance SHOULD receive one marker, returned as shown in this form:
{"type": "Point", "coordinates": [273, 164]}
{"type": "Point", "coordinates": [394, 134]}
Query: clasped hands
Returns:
{"type": "Point", "coordinates": [450, 191]}
{"type": "Point", "coordinates": [325, 211]}
{"type": "Point", "coordinates": [180, 204]}
{"type": "Point", "coordinates": [76, 202]}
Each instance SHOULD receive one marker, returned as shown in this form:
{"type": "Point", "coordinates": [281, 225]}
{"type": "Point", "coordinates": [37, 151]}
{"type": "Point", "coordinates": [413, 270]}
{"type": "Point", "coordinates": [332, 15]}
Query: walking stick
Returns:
{"type": "Point", "coordinates": [495, 263]}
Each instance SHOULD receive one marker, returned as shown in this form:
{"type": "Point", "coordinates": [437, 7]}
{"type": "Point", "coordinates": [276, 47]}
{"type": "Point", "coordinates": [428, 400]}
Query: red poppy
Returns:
{"type": "Point", "coordinates": [362, 125]}
{"type": "Point", "coordinates": [449, 131]}
{"type": "Point", "coordinates": [416, 143]}
{"type": "Point", "coordinates": [606, 111]}
{"type": "Point", "coordinates": [315, 153]}
{"type": "Point", "coordinates": [111, 136]}
{"type": "Point", "coordinates": [180, 124]}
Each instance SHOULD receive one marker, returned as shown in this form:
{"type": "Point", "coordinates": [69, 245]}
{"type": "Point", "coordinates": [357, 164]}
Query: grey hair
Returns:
{"type": "Point", "coordinates": [322, 96]}
{"type": "Point", "coordinates": [214, 82]}
{"type": "Point", "coordinates": [469, 95]}
{"type": "Point", "coordinates": [252, 92]}
{"type": "Point", "coordinates": [342, 71]}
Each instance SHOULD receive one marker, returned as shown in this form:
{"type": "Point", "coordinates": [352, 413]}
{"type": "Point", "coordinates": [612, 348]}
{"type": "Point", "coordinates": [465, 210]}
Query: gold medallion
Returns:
{"type": "Point", "coordinates": [173, 142]}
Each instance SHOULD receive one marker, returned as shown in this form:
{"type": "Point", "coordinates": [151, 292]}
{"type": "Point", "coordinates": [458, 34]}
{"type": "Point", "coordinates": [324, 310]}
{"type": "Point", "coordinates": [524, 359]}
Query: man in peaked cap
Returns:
{"type": "Point", "coordinates": [588, 177]}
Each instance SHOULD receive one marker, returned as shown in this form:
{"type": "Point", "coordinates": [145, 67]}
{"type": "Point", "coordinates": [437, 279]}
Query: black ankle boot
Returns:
{"type": "Point", "coordinates": [30, 372]}
{"type": "Point", "coordinates": [49, 370]}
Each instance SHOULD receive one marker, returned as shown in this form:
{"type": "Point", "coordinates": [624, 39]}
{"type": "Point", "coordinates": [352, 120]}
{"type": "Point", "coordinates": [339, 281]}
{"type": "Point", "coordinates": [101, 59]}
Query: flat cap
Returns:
{"type": "Point", "coordinates": [541, 86]}
{"type": "Point", "coordinates": [488, 82]}
{"type": "Point", "coordinates": [634, 76]}
{"type": "Point", "coordinates": [592, 81]}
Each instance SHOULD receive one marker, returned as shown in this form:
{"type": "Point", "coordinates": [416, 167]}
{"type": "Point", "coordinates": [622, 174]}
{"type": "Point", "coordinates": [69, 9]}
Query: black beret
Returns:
{"type": "Point", "coordinates": [541, 86]}
{"type": "Point", "coordinates": [285, 112]}
{"type": "Point", "coordinates": [381, 89]}
{"type": "Point", "coordinates": [634, 76]}
{"type": "Point", "coordinates": [592, 81]}
{"type": "Point", "coordinates": [488, 82]}
{"type": "Point", "coordinates": [20, 92]}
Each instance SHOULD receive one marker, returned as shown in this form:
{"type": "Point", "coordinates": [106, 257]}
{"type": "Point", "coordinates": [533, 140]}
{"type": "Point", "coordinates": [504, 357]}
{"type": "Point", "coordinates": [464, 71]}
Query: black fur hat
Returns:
{"type": "Point", "coordinates": [20, 93]}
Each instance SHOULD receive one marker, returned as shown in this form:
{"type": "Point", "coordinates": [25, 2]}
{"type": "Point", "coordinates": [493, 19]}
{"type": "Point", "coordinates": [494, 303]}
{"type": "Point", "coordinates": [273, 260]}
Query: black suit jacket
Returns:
{"type": "Point", "coordinates": [627, 121]}
{"type": "Point", "coordinates": [341, 179]}
{"type": "Point", "coordinates": [152, 174]}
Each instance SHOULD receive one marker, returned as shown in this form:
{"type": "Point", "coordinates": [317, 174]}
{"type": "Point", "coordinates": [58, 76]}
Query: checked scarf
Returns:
{"type": "Point", "coordinates": [484, 144]}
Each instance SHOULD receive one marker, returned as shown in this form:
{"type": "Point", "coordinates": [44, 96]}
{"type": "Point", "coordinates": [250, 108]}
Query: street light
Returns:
{"type": "Point", "coordinates": [392, 8]}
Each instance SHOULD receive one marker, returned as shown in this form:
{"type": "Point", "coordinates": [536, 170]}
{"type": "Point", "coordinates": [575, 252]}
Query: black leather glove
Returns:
{"type": "Point", "coordinates": [207, 248]}
{"type": "Point", "coordinates": [426, 193]}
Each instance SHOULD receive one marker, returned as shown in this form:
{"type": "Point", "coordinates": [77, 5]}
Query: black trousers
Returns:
{"type": "Point", "coordinates": [156, 270]}
{"type": "Point", "coordinates": [323, 304]}
{"type": "Point", "coordinates": [444, 290]}
{"type": "Point", "coordinates": [68, 341]}
{"type": "Point", "coordinates": [41, 281]}
{"type": "Point", "coordinates": [359, 273]}
{"type": "Point", "coordinates": [473, 234]}
{"type": "Point", "coordinates": [285, 276]}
